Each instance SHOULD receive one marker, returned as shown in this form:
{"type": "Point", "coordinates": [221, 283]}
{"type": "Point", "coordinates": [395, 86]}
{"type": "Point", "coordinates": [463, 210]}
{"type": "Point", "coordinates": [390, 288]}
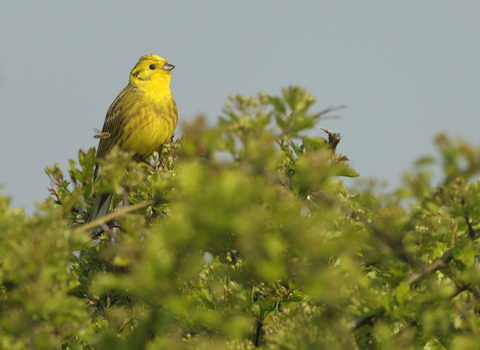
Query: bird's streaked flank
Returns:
{"type": "Point", "coordinates": [141, 119]}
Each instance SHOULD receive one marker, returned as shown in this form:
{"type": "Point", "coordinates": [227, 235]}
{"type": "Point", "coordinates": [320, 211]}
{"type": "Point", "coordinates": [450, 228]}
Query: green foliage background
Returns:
{"type": "Point", "coordinates": [245, 236]}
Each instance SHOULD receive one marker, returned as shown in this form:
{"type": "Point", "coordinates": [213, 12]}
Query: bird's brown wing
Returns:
{"type": "Point", "coordinates": [112, 125]}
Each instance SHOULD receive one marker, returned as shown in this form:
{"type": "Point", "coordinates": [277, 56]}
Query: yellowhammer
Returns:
{"type": "Point", "coordinates": [141, 119]}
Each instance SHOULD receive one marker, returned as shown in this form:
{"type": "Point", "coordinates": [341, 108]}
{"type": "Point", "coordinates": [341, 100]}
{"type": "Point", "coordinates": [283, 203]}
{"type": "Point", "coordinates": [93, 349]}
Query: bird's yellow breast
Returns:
{"type": "Point", "coordinates": [152, 125]}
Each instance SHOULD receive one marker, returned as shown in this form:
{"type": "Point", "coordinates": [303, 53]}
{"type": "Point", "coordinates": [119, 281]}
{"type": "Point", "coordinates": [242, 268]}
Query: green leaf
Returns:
{"type": "Point", "coordinates": [278, 105]}
{"type": "Point", "coordinates": [401, 292]}
{"type": "Point", "coordinates": [464, 252]}
{"type": "Point", "coordinates": [298, 99]}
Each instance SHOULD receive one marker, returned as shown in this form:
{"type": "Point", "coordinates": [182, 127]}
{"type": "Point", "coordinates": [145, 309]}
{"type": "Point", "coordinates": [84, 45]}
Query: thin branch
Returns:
{"type": "Point", "coordinates": [328, 110]}
{"type": "Point", "coordinates": [258, 332]}
{"type": "Point", "coordinates": [361, 321]}
{"type": "Point", "coordinates": [415, 278]}
{"type": "Point", "coordinates": [116, 214]}
{"type": "Point", "coordinates": [471, 231]}
{"type": "Point", "coordinates": [466, 318]}
{"type": "Point", "coordinates": [396, 245]}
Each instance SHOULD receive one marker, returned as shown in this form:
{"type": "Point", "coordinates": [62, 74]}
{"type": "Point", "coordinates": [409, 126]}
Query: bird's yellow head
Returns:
{"type": "Point", "coordinates": [151, 71]}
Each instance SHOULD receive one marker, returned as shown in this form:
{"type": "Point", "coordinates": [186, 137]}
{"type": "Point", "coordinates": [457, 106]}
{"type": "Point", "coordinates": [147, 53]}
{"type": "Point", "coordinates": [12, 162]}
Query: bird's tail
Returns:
{"type": "Point", "coordinates": [100, 209]}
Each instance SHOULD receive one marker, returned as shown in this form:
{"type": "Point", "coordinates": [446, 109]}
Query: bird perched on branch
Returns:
{"type": "Point", "coordinates": [141, 119]}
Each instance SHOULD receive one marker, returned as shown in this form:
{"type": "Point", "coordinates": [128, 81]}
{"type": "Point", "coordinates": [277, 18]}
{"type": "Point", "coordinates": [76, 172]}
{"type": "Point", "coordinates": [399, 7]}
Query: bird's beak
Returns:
{"type": "Point", "coordinates": [168, 66]}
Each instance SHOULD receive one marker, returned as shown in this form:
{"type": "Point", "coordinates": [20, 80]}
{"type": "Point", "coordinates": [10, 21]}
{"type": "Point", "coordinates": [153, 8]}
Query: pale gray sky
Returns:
{"type": "Point", "coordinates": [406, 70]}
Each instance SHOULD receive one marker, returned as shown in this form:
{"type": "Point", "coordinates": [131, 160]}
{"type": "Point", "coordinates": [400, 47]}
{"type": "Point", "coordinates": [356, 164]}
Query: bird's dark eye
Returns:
{"type": "Point", "coordinates": [152, 67]}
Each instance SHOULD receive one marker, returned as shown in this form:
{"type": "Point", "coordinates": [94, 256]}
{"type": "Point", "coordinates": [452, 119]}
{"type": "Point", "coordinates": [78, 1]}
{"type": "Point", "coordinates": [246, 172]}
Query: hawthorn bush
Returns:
{"type": "Point", "coordinates": [243, 237]}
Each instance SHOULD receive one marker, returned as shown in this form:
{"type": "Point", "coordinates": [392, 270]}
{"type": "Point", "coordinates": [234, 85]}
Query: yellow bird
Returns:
{"type": "Point", "coordinates": [141, 119]}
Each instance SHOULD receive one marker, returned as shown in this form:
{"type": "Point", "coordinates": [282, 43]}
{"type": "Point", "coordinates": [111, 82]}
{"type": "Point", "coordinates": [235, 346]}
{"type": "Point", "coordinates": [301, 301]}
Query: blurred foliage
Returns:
{"type": "Point", "coordinates": [252, 242]}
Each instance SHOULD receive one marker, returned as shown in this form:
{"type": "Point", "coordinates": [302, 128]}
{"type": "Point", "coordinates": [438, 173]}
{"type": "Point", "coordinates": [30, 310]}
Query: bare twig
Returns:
{"type": "Point", "coordinates": [329, 109]}
{"type": "Point", "coordinates": [116, 214]}
{"type": "Point", "coordinates": [333, 138]}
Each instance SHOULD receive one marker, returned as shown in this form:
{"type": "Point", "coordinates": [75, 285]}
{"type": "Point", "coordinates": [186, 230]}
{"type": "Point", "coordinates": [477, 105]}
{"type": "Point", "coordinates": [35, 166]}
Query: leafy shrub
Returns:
{"type": "Point", "coordinates": [244, 236]}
